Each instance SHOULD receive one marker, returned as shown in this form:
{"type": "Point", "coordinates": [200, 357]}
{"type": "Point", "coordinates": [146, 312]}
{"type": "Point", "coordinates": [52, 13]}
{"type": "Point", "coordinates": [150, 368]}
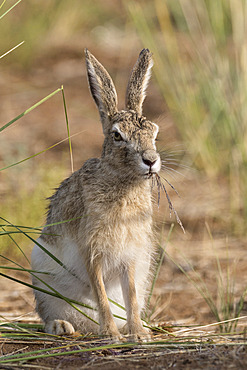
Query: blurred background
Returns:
{"type": "Point", "coordinates": [198, 96]}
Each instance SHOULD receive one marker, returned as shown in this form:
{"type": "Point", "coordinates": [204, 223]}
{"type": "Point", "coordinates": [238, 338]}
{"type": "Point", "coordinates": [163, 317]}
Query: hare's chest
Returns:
{"type": "Point", "coordinates": [118, 229]}
{"type": "Point", "coordinates": [125, 245]}
{"type": "Point", "coordinates": [124, 236]}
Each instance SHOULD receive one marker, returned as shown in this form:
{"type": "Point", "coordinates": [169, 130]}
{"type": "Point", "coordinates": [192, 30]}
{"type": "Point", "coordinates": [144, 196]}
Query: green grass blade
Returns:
{"type": "Point", "coordinates": [41, 247]}
{"type": "Point", "coordinates": [19, 328]}
{"type": "Point", "coordinates": [41, 152]}
{"type": "Point", "coordinates": [22, 227]}
{"type": "Point", "coordinates": [61, 264]}
{"type": "Point", "coordinates": [18, 232]}
{"type": "Point", "coordinates": [20, 249]}
{"type": "Point", "coordinates": [21, 269]}
{"type": "Point", "coordinates": [65, 221]}
{"type": "Point", "coordinates": [40, 228]}
{"type": "Point", "coordinates": [29, 109]}
{"type": "Point", "coordinates": [67, 124]}
{"type": "Point", "coordinates": [116, 304]}
{"type": "Point", "coordinates": [9, 51]}
{"type": "Point", "coordinates": [7, 11]}
{"type": "Point", "coordinates": [53, 294]}
{"type": "Point", "coordinates": [30, 353]}
{"type": "Point", "coordinates": [26, 357]}
{"type": "Point", "coordinates": [32, 156]}
{"type": "Point", "coordinates": [56, 294]}
{"type": "Point", "coordinates": [4, 1]}
{"type": "Point", "coordinates": [19, 324]}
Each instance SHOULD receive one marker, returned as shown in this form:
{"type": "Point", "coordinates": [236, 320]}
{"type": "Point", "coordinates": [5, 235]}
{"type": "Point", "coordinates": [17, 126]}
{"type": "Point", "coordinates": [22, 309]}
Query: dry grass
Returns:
{"type": "Point", "coordinates": [22, 344]}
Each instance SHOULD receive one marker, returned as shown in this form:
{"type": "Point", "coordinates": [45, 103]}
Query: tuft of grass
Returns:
{"type": "Point", "coordinates": [227, 307]}
{"type": "Point", "coordinates": [223, 304]}
{"type": "Point", "coordinates": [200, 66]}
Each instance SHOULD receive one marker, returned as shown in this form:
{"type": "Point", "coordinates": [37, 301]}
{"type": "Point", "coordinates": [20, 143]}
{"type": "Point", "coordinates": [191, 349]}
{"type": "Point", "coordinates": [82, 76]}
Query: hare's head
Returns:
{"type": "Point", "coordinates": [129, 145]}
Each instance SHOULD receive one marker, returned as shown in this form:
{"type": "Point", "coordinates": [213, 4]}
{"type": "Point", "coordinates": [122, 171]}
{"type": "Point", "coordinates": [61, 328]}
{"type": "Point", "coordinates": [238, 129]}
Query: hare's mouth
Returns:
{"type": "Point", "coordinates": [150, 174]}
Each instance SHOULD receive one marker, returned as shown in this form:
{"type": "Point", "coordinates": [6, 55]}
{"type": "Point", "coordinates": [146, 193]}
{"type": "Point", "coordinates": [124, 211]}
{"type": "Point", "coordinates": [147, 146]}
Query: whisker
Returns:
{"type": "Point", "coordinates": [169, 159]}
{"type": "Point", "coordinates": [170, 163]}
{"type": "Point", "coordinates": [171, 174]}
{"type": "Point", "coordinates": [177, 164]}
{"type": "Point", "coordinates": [169, 171]}
{"type": "Point", "coordinates": [172, 170]}
{"type": "Point", "coordinates": [168, 155]}
{"type": "Point", "coordinates": [174, 156]}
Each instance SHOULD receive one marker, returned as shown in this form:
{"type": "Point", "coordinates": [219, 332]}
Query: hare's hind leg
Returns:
{"type": "Point", "coordinates": [59, 327]}
{"type": "Point", "coordinates": [135, 328]}
{"type": "Point", "coordinates": [54, 313]}
{"type": "Point", "coordinates": [51, 310]}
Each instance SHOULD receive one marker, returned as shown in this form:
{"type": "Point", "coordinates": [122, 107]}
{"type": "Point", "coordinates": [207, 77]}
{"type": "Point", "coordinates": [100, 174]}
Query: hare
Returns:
{"type": "Point", "coordinates": [106, 243]}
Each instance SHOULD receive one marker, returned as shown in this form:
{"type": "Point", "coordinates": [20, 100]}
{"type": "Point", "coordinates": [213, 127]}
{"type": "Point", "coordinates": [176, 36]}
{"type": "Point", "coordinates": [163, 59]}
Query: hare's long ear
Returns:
{"type": "Point", "coordinates": [102, 89]}
{"type": "Point", "coordinates": [140, 75]}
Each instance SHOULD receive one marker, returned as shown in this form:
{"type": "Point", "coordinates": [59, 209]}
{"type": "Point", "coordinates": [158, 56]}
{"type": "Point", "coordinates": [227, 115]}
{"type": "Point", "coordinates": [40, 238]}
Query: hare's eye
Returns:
{"type": "Point", "coordinates": [117, 136]}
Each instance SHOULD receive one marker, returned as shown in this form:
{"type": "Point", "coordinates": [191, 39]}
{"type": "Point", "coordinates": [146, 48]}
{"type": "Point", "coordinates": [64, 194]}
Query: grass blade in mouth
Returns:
{"type": "Point", "coordinates": [161, 186]}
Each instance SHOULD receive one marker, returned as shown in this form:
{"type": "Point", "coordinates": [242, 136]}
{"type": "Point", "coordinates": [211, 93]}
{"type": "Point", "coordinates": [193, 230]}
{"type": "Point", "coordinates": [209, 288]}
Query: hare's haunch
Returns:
{"type": "Point", "coordinates": [100, 220]}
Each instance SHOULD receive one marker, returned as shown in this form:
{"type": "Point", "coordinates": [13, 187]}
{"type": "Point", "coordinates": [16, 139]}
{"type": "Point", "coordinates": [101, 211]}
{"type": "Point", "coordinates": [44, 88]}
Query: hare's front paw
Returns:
{"type": "Point", "coordinates": [59, 327]}
{"type": "Point", "coordinates": [139, 334]}
{"type": "Point", "coordinates": [112, 332]}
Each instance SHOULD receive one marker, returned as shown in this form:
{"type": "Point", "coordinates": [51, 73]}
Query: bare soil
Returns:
{"type": "Point", "coordinates": [207, 357]}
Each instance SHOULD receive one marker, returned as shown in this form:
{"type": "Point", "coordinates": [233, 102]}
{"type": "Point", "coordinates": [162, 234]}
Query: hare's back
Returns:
{"type": "Point", "coordinates": [69, 195]}
{"type": "Point", "coordinates": [67, 204]}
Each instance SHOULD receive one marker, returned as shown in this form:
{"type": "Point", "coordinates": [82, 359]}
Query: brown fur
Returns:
{"type": "Point", "coordinates": [107, 244]}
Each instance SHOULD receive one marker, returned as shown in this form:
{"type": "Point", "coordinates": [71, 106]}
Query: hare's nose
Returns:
{"type": "Point", "coordinates": [148, 162]}
{"type": "Point", "coordinates": [150, 158]}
